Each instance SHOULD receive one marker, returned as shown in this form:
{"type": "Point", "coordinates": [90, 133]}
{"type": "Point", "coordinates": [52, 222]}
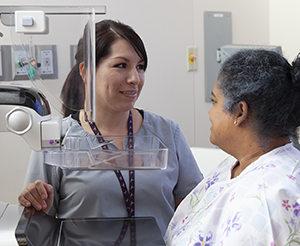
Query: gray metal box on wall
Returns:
{"type": "Point", "coordinates": [217, 33]}
{"type": "Point", "coordinates": [6, 61]}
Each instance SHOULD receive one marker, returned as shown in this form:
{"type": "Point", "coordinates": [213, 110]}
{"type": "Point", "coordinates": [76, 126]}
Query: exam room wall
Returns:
{"type": "Point", "coordinates": [167, 27]}
{"type": "Point", "coordinates": [284, 22]}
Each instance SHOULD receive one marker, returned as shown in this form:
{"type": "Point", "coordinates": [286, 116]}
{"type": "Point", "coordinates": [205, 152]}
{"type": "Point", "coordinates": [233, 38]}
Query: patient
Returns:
{"type": "Point", "coordinates": [254, 198]}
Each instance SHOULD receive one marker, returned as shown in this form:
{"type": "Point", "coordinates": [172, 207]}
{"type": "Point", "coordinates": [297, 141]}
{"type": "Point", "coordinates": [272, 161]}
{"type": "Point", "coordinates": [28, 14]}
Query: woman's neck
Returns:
{"type": "Point", "coordinates": [112, 123]}
{"type": "Point", "coordinates": [109, 123]}
{"type": "Point", "coordinates": [253, 152]}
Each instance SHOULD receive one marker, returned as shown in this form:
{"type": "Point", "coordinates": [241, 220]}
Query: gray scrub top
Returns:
{"type": "Point", "coordinates": [84, 194]}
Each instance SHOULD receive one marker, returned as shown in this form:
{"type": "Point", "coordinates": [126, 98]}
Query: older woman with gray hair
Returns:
{"type": "Point", "coordinates": [253, 197]}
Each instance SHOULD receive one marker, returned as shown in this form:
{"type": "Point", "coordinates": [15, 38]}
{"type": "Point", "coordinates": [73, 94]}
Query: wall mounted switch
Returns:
{"type": "Point", "coordinates": [191, 58]}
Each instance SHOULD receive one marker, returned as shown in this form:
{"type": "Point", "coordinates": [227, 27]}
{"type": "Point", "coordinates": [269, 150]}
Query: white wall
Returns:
{"type": "Point", "coordinates": [284, 26]}
{"type": "Point", "coordinates": [167, 27]}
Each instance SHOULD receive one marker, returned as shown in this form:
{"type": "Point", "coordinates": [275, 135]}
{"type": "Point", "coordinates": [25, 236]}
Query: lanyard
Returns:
{"type": "Point", "coordinates": [127, 194]}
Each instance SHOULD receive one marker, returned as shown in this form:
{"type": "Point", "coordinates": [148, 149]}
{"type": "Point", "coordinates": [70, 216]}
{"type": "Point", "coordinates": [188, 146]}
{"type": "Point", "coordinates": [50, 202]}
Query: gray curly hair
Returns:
{"type": "Point", "coordinates": [269, 85]}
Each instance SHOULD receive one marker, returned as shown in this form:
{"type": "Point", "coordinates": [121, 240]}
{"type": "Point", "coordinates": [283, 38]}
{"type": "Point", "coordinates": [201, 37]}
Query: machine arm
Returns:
{"type": "Point", "coordinates": [26, 112]}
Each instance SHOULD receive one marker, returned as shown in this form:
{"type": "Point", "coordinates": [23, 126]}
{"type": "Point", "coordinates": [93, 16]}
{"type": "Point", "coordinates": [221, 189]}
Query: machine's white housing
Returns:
{"type": "Point", "coordinates": [38, 131]}
{"type": "Point", "coordinates": [32, 21]}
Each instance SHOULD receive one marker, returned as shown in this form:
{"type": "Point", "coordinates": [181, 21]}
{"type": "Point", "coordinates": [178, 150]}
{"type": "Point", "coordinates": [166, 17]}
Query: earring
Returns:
{"type": "Point", "coordinates": [235, 122]}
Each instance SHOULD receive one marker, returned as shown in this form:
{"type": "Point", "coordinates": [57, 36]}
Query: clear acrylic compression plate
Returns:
{"type": "Point", "coordinates": [86, 153]}
{"type": "Point", "coordinates": [44, 58]}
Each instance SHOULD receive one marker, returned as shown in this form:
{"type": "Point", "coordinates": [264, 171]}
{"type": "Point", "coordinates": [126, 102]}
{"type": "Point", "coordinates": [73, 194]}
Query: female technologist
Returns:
{"type": "Point", "coordinates": [121, 62]}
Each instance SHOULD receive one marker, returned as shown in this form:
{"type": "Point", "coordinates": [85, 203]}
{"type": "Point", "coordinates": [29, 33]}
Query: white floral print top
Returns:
{"type": "Point", "coordinates": [259, 207]}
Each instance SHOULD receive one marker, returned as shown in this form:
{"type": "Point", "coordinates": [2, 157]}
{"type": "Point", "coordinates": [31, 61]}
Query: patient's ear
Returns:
{"type": "Point", "coordinates": [242, 112]}
{"type": "Point", "coordinates": [82, 71]}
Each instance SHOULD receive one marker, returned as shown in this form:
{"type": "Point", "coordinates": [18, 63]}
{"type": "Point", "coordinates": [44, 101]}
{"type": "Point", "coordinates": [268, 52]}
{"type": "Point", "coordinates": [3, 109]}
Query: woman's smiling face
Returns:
{"type": "Point", "coordinates": [119, 78]}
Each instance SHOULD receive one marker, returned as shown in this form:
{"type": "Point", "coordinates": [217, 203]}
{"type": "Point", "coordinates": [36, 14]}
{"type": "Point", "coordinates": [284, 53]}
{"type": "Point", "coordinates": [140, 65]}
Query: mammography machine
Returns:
{"type": "Point", "coordinates": [35, 59]}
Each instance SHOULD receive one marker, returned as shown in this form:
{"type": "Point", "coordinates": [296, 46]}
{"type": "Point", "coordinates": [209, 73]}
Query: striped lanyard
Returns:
{"type": "Point", "coordinates": [127, 194]}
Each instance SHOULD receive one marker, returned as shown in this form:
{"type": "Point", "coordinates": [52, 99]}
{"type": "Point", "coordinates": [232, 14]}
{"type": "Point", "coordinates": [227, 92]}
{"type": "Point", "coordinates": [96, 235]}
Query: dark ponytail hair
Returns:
{"type": "Point", "coordinates": [73, 90]}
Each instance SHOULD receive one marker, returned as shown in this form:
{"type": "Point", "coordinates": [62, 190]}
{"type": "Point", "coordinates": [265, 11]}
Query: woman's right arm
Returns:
{"type": "Point", "coordinates": [37, 194]}
{"type": "Point", "coordinates": [37, 191]}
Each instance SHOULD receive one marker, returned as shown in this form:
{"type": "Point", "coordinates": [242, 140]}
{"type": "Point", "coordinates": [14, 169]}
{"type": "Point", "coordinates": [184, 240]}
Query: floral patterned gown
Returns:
{"type": "Point", "coordinates": [259, 207]}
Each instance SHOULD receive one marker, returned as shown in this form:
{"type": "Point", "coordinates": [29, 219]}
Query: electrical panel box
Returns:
{"type": "Point", "coordinates": [1, 63]}
{"type": "Point", "coordinates": [5, 63]}
{"type": "Point", "coordinates": [217, 33]}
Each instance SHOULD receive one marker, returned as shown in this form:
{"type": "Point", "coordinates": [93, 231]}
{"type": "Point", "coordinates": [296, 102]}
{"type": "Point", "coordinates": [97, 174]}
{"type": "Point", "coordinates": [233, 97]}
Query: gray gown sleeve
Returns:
{"type": "Point", "coordinates": [189, 172]}
{"type": "Point", "coordinates": [47, 173]}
